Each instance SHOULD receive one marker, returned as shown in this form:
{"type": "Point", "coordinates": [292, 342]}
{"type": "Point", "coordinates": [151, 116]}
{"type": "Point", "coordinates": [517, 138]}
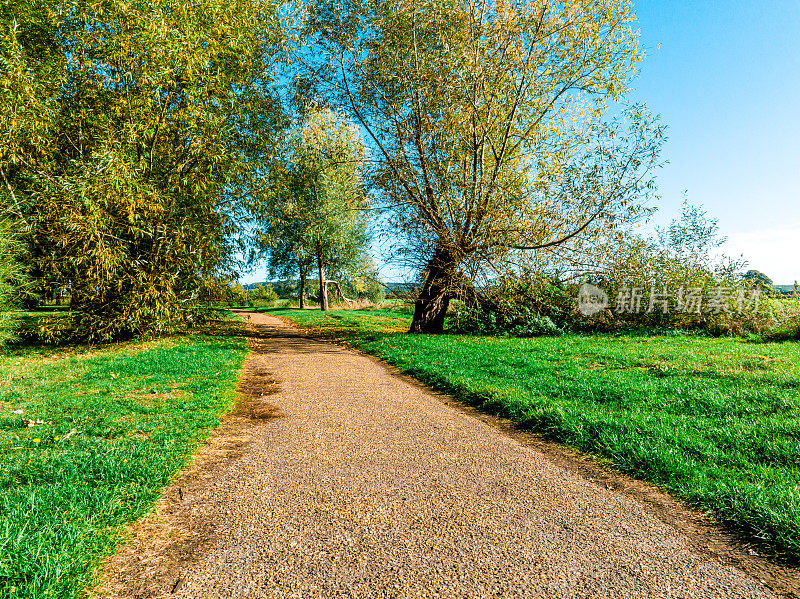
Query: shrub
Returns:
{"type": "Point", "coordinates": [674, 264]}
{"type": "Point", "coordinates": [726, 317]}
{"type": "Point", "coordinates": [46, 329]}
{"type": "Point", "coordinates": [504, 318]}
{"type": "Point", "coordinates": [375, 292]}
{"type": "Point", "coordinates": [12, 283]}
{"type": "Point", "coordinates": [784, 323]}
{"type": "Point", "coordinates": [263, 296]}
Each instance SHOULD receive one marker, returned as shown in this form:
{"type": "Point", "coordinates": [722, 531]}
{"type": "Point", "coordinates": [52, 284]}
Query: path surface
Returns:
{"type": "Point", "coordinates": [365, 485]}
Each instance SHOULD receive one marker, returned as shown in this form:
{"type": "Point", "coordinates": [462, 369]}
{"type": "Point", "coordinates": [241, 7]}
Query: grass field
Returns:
{"type": "Point", "coordinates": [713, 420]}
{"type": "Point", "coordinates": [89, 438]}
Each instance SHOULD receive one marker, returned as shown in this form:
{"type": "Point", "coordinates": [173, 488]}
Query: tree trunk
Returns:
{"type": "Point", "coordinates": [339, 291]}
{"type": "Point", "coordinates": [323, 284]}
{"type": "Point", "coordinates": [302, 294]}
{"type": "Point", "coordinates": [434, 298]}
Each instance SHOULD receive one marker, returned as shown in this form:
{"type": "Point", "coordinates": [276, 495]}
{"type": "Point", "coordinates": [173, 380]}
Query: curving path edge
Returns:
{"type": "Point", "coordinates": [359, 484]}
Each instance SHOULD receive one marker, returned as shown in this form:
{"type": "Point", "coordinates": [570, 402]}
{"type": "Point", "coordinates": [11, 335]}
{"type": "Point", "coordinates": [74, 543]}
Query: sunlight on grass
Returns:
{"type": "Point", "coordinates": [88, 439]}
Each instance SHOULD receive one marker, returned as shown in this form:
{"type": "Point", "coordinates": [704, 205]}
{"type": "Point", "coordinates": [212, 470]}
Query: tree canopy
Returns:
{"type": "Point", "coordinates": [137, 133]}
{"type": "Point", "coordinates": [313, 208]}
{"type": "Point", "coordinates": [127, 126]}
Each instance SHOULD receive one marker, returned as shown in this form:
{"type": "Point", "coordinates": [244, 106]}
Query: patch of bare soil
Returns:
{"type": "Point", "coordinates": [255, 386]}
{"type": "Point", "coordinates": [159, 545]}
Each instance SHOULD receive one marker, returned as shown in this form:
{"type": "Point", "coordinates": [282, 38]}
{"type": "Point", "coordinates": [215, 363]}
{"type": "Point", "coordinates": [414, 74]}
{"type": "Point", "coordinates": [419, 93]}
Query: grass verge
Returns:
{"type": "Point", "coordinates": [715, 421]}
{"type": "Point", "coordinates": [89, 438]}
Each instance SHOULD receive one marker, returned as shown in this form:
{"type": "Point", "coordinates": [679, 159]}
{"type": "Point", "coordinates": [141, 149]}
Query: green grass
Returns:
{"type": "Point", "coordinates": [117, 423]}
{"type": "Point", "coordinates": [715, 421]}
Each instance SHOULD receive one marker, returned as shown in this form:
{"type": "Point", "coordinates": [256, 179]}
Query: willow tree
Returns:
{"type": "Point", "coordinates": [127, 127]}
{"type": "Point", "coordinates": [489, 123]}
{"type": "Point", "coordinates": [313, 206]}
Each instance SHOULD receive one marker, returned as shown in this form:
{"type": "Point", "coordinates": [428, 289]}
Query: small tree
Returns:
{"type": "Point", "coordinates": [288, 258]}
{"type": "Point", "coordinates": [263, 296]}
{"type": "Point", "coordinates": [759, 279]}
{"type": "Point", "coordinates": [314, 206]}
{"type": "Point", "coordinates": [362, 280]}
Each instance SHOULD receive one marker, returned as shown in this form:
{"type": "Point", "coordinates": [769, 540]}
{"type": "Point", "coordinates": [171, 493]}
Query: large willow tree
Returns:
{"type": "Point", "coordinates": [127, 127]}
{"type": "Point", "coordinates": [489, 123]}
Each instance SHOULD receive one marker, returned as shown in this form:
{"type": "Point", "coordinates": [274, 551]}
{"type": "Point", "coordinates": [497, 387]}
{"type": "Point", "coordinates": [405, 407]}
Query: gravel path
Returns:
{"type": "Point", "coordinates": [365, 485]}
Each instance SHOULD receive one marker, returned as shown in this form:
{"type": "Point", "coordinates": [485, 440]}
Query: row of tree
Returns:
{"type": "Point", "coordinates": [144, 142]}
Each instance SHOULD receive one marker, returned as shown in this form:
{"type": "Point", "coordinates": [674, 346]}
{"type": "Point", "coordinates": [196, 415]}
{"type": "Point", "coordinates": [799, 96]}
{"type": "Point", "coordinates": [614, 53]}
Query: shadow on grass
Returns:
{"type": "Point", "coordinates": [22, 341]}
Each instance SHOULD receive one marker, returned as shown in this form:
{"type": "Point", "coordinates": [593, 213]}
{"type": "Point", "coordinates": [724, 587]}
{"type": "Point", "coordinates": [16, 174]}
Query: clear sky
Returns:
{"type": "Point", "coordinates": [725, 78]}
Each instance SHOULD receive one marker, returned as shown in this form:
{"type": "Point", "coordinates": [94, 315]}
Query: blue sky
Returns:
{"type": "Point", "coordinates": [725, 78]}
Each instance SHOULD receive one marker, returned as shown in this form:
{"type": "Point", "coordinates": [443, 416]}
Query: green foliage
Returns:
{"type": "Point", "coordinates": [128, 132]}
{"type": "Point", "coordinates": [45, 328]}
{"type": "Point", "coordinates": [11, 280]}
{"type": "Point", "coordinates": [8, 328]}
{"type": "Point", "coordinates": [10, 267]}
{"type": "Point", "coordinates": [713, 420]}
{"type": "Point", "coordinates": [263, 296]}
{"type": "Point", "coordinates": [762, 280]}
{"type": "Point", "coordinates": [361, 280]}
{"type": "Point", "coordinates": [683, 267]}
{"type": "Point", "coordinates": [490, 123]}
{"type": "Point", "coordinates": [375, 292]}
{"type": "Point", "coordinates": [783, 319]}
{"type": "Point", "coordinates": [786, 331]}
{"type": "Point", "coordinates": [503, 321]}
{"type": "Point", "coordinates": [312, 204]}
{"type": "Point", "coordinates": [236, 296]}
{"type": "Point", "coordinates": [518, 307]}
{"type": "Point", "coordinates": [100, 435]}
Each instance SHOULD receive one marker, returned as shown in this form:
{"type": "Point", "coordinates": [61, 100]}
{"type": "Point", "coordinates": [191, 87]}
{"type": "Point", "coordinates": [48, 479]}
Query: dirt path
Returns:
{"type": "Point", "coordinates": [353, 483]}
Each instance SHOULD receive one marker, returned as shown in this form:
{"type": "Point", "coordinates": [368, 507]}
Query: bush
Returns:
{"type": "Point", "coordinates": [674, 265]}
{"type": "Point", "coordinates": [784, 323]}
{"type": "Point", "coordinates": [12, 284]}
{"type": "Point", "coordinates": [46, 329]}
{"type": "Point", "coordinates": [503, 316]}
{"type": "Point", "coordinates": [727, 319]}
{"type": "Point", "coordinates": [529, 306]}
{"type": "Point", "coordinates": [788, 332]}
{"type": "Point", "coordinates": [263, 296]}
{"type": "Point", "coordinates": [7, 328]}
{"type": "Point", "coordinates": [375, 292]}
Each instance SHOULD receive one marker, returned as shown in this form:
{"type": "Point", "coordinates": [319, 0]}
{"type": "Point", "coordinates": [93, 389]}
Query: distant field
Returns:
{"type": "Point", "coordinates": [110, 428]}
{"type": "Point", "coordinates": [713, 420]}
